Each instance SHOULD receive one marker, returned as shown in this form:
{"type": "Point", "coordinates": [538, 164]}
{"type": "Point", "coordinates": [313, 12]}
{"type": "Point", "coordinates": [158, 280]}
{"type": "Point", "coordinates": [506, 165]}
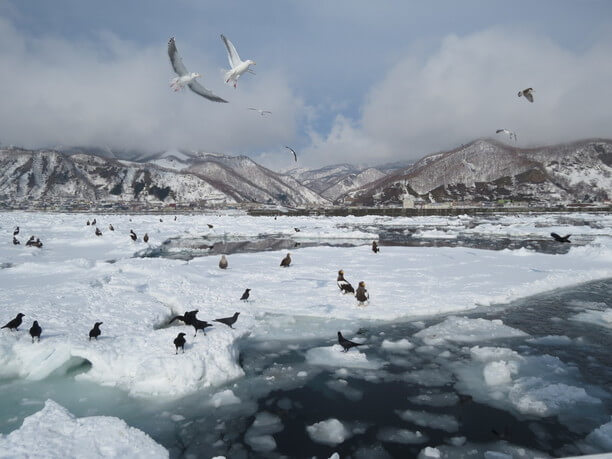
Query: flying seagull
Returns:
{"type": "Point", "coordinates": [237, 65]}
{"type": "Point", "coordinates": [506, 131]}
{"type": "Point", "coordinates": [260, 111]}
{"type": "Point", "coordinates": [527, 93]}
{"type": "Point", "coordinates": [185, 77]}
{"type": "Point", "coordinates": [292, 151]}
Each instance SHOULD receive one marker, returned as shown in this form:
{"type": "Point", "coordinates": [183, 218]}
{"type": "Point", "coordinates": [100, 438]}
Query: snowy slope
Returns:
{"type": "Point", "coordinates": [247, 181]}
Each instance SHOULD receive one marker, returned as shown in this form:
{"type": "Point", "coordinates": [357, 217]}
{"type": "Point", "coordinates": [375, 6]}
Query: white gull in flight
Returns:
{"type": "Point", "coordinates": [527, 93]}
{"type": "Point", "coordinates": [185, 77]}
{"type": "Point", "coordinates": [237, 65]}
{"type": "Point", "coordinates": [260, 111]}
{"type": "Point", "coordinates": [506, 131]}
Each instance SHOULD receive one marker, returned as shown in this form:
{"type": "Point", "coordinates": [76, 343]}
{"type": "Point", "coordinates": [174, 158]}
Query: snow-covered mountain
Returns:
{"type": "Point", "coordinates": [336, 180]}
{"type": "Point", "coordinates": [245, 180]}
{"type": "Point", "coordinates": [173, 177]}
{"type": "Point", "coordinates": [486, 170]}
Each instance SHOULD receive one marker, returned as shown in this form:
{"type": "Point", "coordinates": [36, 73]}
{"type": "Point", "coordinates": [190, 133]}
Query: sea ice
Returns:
{"type": "Point", "coordinates": [333, 356]}
{"type": "Point", "coordinates": [397, 346]}
{"type": "Point", "coordinates": [225, 397]}
{"type": "Point", "coordinates": [329, 432]}
{"type": "Point", "coordinates": [466, 330]}
{"type": "Point", "coordinates": [435, 421]}
{"type": "Point", "coordinates": [404, 436]}
{"type": "Point", "coordinates": [55, 433]}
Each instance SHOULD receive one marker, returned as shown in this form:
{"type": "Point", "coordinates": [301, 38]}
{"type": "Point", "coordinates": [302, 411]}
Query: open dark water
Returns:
{"type": "Point", "coordinates": [367, 401]}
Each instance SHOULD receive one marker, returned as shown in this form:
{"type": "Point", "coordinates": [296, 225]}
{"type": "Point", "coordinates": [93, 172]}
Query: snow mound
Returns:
{"type": "Point", "coordinates": [53, 432]}
{"type": "Point", "coordinates": [330, 432]}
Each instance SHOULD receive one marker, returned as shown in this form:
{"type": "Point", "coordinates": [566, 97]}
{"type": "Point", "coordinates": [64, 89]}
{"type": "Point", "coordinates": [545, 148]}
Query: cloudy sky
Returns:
{"type": "Point", "coordinates": [355, 81]}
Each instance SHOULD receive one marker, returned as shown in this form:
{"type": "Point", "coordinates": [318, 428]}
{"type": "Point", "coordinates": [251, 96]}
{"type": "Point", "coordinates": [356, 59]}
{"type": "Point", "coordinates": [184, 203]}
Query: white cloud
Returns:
{"type": "Point", "coordinates": [112, 92]}
{"type": "Point", "coordinates": [468, 89]}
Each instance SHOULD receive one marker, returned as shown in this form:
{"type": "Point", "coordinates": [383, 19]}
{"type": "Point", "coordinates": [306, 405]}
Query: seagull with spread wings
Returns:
{"type": "Point", "coordinates": [260, 111]}
{"type": "Point", "coordinates": [186, 78]}
{"type": "Point", "coordinates": [506, 131]}
{"type": "Point", "coordinates": [292, 151]}
{"type": "Point", "coordinates": [527, 94]}
{"type": "Point", "coordinates": [237, 65]}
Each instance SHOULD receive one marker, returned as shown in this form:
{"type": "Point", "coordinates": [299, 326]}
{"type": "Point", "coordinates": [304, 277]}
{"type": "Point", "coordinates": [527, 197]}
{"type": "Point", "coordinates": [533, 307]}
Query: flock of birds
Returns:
{"type": "Point", "coordinates": [189, 317]}
{"type": "Point", "coordinates": [238, 67]}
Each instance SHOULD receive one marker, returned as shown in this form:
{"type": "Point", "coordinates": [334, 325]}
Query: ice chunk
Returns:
{"type": "Point", "coordinates": [329, 432]}
{"type": "Point", "coordinates": [261, 443]}
{"type": "Point", "coordinates": [430, 452]}
{"type": "Point", "coordinates": [397, 346]}
{"type": "Point", "coordinates": [333, 356]}
{"type": "Point", "coordinates": [465, 330]}
{"type": "Point", "coordinates": [551, 340]}
{"type": "Point", "coordinates": [531, 385]}
{"type": "Point", "coordinates": [225, 397]}
{"type": "Point", "coordinates": [601, 318]}
{"type": "Point", "coordinates": [435, 421]}
{"type": "Point", "coordinates": [600, 440]}
{"type": "Point", "coordinates": [435, 399]}
{"type": "Point", "coordinates": [258, 436]}
{"type": "Point", "coordinates": [53, 432]}
{"type": "Point", "coordinates": [404, 436]}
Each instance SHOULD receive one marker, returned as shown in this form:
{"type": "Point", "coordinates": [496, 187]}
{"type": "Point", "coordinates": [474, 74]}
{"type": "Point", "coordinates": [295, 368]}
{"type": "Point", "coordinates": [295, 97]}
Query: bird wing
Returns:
{"type": "Point", "coordinates": [207, 93]}
{"type": "Point", "coordinates": [292, 151]}
{"type": "Point", "coordinates": [175, 58]}
{"type": "Point", "coordinates": [528, 95]}
{"type": "Point", "coordinates": [555, 235]}
{"type": "Point", "coordinates": [232, 54]}
{"type": "Point", "coordinates": [251, 108]}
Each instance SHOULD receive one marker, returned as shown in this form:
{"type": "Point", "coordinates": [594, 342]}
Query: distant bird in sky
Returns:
{"type": "Point", "coordinates": [133, 235]}
{"type": "Point", "coordinates": [210, 226]}
{"type": "Point", "coordinates": [16, 241]}
{"type": "Point", "coordinates": [260, 111]}
{"type": "Point", "coordinates": [558, 238]}
{"type": "Point", "coordinates": [292, 151]}
{"type": "Point", "coordinates": [111, 227]}
{"type": "Point", "coordinates": [347, 344]}
{"type": "Point", "coordinates": [185, 77]}
{"type": "Point", "coordinates": [507, 132]}
{"type": "Point", "coordinates": [16, 231]}
{"type": "Point", "coordinates": [527, 94]}
{"type": "Point", "coordinates": [245, 295]}
{"type": "Point", "coordinates": [237, 65]}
